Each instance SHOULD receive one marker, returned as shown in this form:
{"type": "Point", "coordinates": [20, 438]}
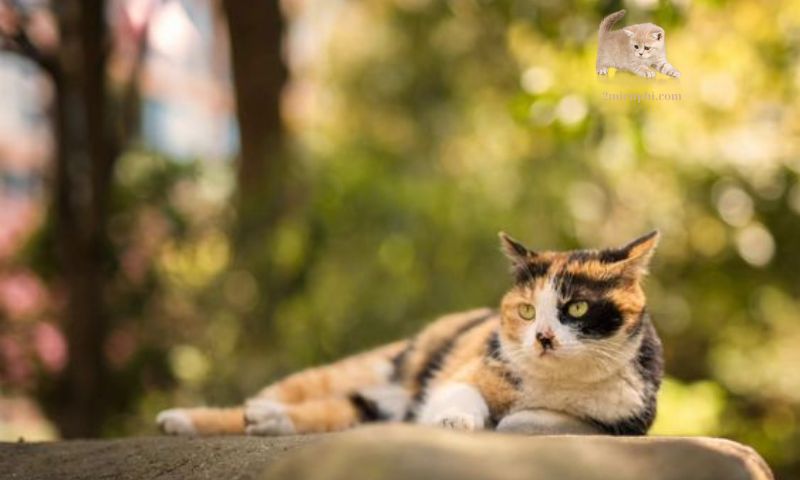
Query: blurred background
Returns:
{"type": "Point", "coordinates": [199, 196]}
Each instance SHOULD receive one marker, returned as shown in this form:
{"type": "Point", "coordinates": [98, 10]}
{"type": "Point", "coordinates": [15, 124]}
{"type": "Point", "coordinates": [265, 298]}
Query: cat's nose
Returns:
{"type": "Point", "coordinates": [545, 339]}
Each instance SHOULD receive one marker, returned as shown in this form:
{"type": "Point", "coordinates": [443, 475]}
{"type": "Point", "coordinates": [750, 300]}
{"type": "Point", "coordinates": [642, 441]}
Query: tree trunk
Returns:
{"type": "Point", "coordinates": [256, 31]}
{"type": "Point", "coordinates": [84, 164]}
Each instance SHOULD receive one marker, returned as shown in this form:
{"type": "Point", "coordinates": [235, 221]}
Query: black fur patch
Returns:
{"type": "Point", "coordinates": [530, 271]}
{"type": "Point", "coordinates": [569, 283]}
{"type": "Point", "coordinates": [650, 360]}
{"type": "Point", "coordinates": [368, 410]}
{"type": "Point", "coordinates": [612, 255]}
{"type": "Point", "coordinates": [399, 363]}
{"type": "Point", "coordinates": [493, 348]}
{"type": "Point", "coordinates": [581, 256]}
{"type": "Point", "coordinates": [602, 319]}
{"type": "Point", "coordinates": [633, 425]}
{"type": "Point", "coordinates": [494, 354]}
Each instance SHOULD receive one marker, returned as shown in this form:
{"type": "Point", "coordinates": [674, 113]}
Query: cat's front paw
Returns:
{"type": "Point", "coordinates": [176, 421]}
{"type": "Point", "coordinates": [602, 71]}
{"type": "Point", "coordinates": [455, 420]}
{"type": "Point", "coordinates": [674, 73]}
{"type": "Point", "coordinates": [646, 73]}
{"type": "Point", "coordinates": [267, 417]}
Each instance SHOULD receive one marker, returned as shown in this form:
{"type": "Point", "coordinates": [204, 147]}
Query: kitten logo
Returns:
{"type": "Point", "coordinates": [638, 49]}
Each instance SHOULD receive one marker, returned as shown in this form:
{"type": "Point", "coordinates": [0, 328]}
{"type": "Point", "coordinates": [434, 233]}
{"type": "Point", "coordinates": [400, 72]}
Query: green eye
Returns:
{"type": "Point", "coordinates": [527, 311]}
{"type": "Point", "coordinates": [578, 309]}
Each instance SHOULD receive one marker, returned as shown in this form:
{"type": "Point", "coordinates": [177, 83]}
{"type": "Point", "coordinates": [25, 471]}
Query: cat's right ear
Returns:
{"type": "Point", "coordinates": [514, 250]}
{"type": "Point", "coordinates": [628, 32]}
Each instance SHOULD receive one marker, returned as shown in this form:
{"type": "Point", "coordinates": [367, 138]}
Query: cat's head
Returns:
{"type": "Point", "coordinates": [645, 41]}
{"type": "Point", "coordinates": [575, 313]}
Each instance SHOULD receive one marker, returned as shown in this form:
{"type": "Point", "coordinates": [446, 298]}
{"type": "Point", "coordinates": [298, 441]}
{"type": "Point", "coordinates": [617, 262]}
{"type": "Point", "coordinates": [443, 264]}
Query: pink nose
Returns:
{"type": "Point", "coordinates": [545, 339]}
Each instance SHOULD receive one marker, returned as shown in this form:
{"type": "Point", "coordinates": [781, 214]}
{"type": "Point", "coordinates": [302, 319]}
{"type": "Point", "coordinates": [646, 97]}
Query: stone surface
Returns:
{"type": "Point", "coordinates": [165, 457]}
{"type": "Point", "coordinates": [387, 452]}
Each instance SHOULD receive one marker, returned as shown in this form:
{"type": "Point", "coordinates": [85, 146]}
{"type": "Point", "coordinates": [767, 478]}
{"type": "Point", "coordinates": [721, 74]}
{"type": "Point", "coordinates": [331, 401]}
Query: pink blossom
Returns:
{"type": "Point", "coordinates": [22, 294]}
{"type": "Point", "coordinates": [51, 347]}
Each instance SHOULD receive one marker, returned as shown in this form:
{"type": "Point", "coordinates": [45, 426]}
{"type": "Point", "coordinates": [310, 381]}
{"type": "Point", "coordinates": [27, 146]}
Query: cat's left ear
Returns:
{"type": "Point", "coordinates": [514, 250]}
{"type": "Point", "coordinates": [658, 34]}
{"type": "Point", "coordinates": [634, 258]}
{"type": "Point", "coordinates": [628, 32]}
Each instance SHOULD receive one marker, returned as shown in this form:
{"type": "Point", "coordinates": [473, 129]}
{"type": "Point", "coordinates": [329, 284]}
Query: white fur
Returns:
{"type": "Point", "coordinates": [383, 369]}
{"type": "Point", "coordinates": [459, 406]}
{"type": "Point", "coordinates": [175, 421]}
{"type": "Point", "coordinates": [547, 320]}
{"type": "Point", "coordinates": [391, 399]}
{"type": "Point", "coordinates": [267, 417]}
{"type": "Point", "coordinates": [606, 400]}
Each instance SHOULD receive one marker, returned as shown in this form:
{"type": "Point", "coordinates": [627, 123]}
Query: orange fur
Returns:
{"type": "Point", "coordinates": [323, 415]}
{"type": "Point", "coordinates": [338, 378]}
{"type": "Point", "coordinates": [218, 420]}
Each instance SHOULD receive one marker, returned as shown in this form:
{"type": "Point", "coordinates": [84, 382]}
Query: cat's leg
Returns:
{"type": "Point", "coordinates": [455, 405]}
{"type": "Point", "coordinates": [481, 389]}
{"type": "Point", "coordinates": [601, 66]}
{"type": "Point", "coordinates": [544, 422]}
{"type": "Point", "coordinates": [667, 69]}
{"type": "Point", "coordinates": [643, 71]}
{"type": "Point", "coordinates": [202, 421]}
{"type": "Point", "coordinates": [268, 417]}
{"type": "Point", "coordinates": [356, 373]}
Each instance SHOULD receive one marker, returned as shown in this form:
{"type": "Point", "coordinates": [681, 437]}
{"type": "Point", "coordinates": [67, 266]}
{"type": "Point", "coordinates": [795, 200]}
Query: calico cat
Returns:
{"type": "Point", "coordinates": [635, 48]}
{"type": "Point", "coordinates": [570, 350]}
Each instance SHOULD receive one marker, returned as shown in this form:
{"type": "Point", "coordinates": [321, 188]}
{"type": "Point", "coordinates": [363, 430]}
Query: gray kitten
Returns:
{"type": "Point", "coordinates": [635, 48]}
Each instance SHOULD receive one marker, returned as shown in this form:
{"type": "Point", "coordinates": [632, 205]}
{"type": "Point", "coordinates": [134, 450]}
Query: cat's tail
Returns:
{"type": "Point", "coordinates": [608, 23]}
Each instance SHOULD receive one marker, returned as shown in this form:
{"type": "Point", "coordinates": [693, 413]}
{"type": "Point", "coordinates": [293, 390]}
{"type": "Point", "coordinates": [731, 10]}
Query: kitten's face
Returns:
{"type": "Point", "coordinates": [575, 314]}
{"type": "Point", "coordinates": [645, 42]}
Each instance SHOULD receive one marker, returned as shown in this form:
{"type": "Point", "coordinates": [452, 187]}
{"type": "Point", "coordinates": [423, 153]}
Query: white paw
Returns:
{"type": "Point", "coordinates": [267, 417]}
{"type": "Point", "coordinates": [459, 421]}
{"type": "Point", "coordinates": [175, 421]}
{"type": "Point", "coordinates": [647, 73]}
{"type": "Point", "coordinates": [602, 71]}
{"type": "Point", "coordinates": [674, 73]}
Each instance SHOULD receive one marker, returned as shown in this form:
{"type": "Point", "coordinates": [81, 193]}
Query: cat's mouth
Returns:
{"type": "Point", "coordinates": [546, 353]}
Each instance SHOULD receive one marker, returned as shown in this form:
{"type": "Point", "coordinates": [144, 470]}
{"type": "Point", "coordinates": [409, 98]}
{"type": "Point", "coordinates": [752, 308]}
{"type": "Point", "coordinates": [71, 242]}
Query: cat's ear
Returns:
{"type": "Point", "coordinates": [628, 32]}
{"type": "Point", "coordinates": [634, 258]}
{"type": "Point", "coordinates": [514, 250]}
{"type": "Point", "coordinates": [658, 34]}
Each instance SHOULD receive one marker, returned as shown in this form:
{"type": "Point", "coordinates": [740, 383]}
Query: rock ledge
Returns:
{"type": "Point", "coordinates": [387, 452]}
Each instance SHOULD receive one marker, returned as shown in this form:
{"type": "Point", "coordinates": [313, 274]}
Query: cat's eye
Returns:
{"type": "Point", "coordinates": [647, 48]}
{"type": "Point", "coordinates": [578, 309]}
{"type": "Point", "coordinates": [636, 47]}
{"type": "Point", "coordinates": [526, 311]}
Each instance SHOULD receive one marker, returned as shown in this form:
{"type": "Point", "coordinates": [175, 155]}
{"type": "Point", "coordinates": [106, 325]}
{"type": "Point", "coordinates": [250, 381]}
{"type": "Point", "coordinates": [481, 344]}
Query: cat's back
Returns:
{"type": "Point", "coordinates": [430, 348]}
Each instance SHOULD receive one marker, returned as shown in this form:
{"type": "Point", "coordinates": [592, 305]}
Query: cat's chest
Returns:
{"type": "Point", "coordinates": [610, 400]}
